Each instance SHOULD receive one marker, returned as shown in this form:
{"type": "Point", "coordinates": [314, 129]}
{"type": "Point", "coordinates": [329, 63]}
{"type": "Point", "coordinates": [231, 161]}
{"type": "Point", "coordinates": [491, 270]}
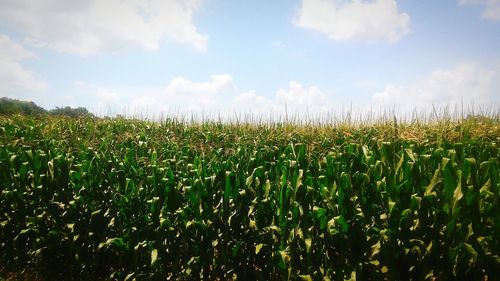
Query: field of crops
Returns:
{"type": "Point", "coordinates": [91, 199]}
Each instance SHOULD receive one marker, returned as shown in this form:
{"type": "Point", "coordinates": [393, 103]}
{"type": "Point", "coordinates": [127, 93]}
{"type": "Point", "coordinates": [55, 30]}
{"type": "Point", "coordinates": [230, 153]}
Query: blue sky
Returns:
{"type": "Point", "coordinates": [315, 56]}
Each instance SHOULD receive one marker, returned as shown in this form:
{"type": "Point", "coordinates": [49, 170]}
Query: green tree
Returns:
{"type": "Point", "coordinates": [72, 112]}
{"type": "Point", "coordinates": [12, 106]}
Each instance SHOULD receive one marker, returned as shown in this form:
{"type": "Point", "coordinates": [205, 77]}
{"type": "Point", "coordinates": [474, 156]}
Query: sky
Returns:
{"type": "Point", "coordinates": [309, 57]}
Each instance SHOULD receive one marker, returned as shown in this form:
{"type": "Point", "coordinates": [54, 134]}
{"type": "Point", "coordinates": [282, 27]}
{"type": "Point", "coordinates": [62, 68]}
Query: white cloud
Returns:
{"type": "Point", "coordinates": [218, 83]}
{"type": "Point", "coordinates": [491, 8]}
{"type": "Point", "coordinates": [218, 96]}
{"type": "Point", "coordinates": [180, 96]}
{"type": "Point", "coordinates": [187, 95]}
{"type": "Point", "coordinates": [13, 75]}
{"type": "Point", "coordinates": [376, 20]}
{"type": "Point", "coordinates": [298, 98]}
{"type": "Point", "coordinates": [69, 100]}
{"type": "Point", "coordinates": [147, 105]}
{"type": "Point", "coordinates": [295, 100]}
{"type": "Point", "coordinates": [97, 99]}
{"type": "Point", "coordinates": [250, 102]}
{"type": "Point", "coordinates": [467, 82]}
{"type": "Point", "coordinates": [90, 27]}
{"type": "Point", "coordinates": [108, 101]}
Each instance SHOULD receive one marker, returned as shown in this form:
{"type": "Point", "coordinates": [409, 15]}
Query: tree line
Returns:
{"type": "Point", "coordinates": [12, 106]}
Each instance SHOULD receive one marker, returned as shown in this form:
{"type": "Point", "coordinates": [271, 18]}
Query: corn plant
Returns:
{"type": "Point", "coordinates": [90, 199]}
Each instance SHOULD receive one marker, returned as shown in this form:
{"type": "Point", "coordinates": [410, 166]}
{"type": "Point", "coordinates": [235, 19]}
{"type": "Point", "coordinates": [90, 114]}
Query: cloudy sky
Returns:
{"type": "Point", "coordinates": [313, 56]}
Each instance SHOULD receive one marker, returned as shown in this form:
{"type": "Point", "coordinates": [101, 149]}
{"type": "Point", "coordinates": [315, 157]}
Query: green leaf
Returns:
{"type": "Point", "coordinates": [306, 277]}
{"type": "Point", "coordinates": [434, 182]}
{"type": "Point", "coordinates": [114, 242]}
{"type": "Point", "coordinates": [267, 188]}
{"type": "Point", "coordinates": [472, 252]}
{"type": "Point", "coordinates": [258, 247]}
{"type": "Point", "coordinates": [249, 180]}
{"type": "Point", "coordinates": [154, 256]}
{"type": "Point", "coordinates": [307, 242]}
{"type": "Point", "coordinates": [457, 194]}
{"type": "Point", "coordinates": [129, 276]}
{"type": "Point", "coordinates": [285, 258]}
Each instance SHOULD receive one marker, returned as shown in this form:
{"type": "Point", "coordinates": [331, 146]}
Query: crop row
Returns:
{"type": "Point", "coordinates": [115, 199]}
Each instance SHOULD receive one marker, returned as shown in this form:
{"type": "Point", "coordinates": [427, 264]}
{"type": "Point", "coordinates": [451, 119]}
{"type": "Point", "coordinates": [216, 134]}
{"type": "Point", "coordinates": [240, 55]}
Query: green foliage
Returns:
{"type": "Point", "coordinates": [13, 106]}
{"type": "Point", "coordinates": [71, 112]}
{"type": "Point", "coordinates": [91, 199]}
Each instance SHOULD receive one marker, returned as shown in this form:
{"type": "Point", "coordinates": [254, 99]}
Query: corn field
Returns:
{"type": "Point", "coordinates": [117, 199]}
